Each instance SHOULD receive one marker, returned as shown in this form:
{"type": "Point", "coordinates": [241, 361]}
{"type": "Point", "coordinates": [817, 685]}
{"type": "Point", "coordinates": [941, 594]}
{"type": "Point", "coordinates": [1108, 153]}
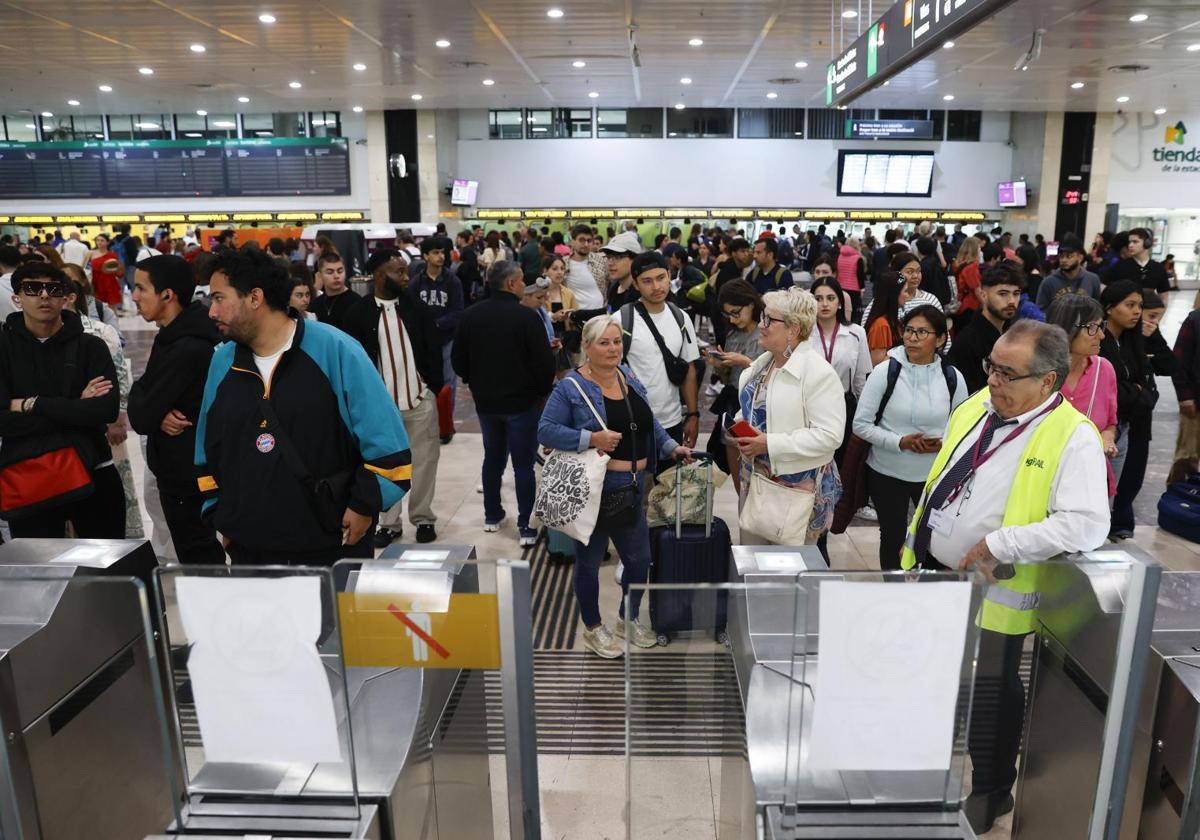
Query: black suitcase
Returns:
{"type": "Point", "coordinates": [1179, 509]}
{"type": "Point", "coordinates": [683, 554]}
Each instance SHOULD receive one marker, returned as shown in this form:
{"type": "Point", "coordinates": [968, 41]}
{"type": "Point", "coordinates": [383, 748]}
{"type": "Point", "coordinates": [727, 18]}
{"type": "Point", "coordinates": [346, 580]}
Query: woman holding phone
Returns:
{"type": "Point", "coordinates": [909, 432]}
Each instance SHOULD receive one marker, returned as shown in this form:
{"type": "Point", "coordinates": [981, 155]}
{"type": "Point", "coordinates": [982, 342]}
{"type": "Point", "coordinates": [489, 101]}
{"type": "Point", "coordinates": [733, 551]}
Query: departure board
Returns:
{"type": "Point", "coordinates": [885, 173]}
{"type": "Point", "coordinates": [175, 168]}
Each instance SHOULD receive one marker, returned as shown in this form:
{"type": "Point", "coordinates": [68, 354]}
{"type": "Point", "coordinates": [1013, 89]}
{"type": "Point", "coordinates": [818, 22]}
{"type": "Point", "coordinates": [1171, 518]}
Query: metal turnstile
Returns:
{"type": "Point", "coordinates": [81, 708]}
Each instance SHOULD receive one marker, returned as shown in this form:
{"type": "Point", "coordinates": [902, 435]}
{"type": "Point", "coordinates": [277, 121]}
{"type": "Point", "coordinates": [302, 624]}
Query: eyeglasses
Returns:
{"type": "Point", "coordinates": [765, 321]}
{"type": "Point", "coordinates": [32, 288]}
{"type": "Point", "coordinates": [919, 333]}
{"type": "Point", "coordinates": [1004, 374]}
{"type": "Point", "coordinates": [729, 316]}
{"type": "Point", "coordinates": [1091, 329]}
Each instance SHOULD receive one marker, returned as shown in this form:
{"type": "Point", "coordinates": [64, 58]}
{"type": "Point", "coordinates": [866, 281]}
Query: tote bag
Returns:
{"type": "Point", "coordinates": [568, 498]}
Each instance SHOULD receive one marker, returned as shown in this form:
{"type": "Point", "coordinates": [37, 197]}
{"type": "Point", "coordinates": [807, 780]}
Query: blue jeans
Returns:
{"type": "Point", "coordinates": [504, 435]}
{"type": "Point", "coordinates": [633, 546]}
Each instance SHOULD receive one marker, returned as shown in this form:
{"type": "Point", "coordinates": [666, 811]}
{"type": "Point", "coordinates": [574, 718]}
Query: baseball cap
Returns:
{"type": "Point", "coordinates": [623, 243]}
{"type": "Point", "coordinates": [1071, 244]}
{"type": "Point", "coordinates": [381, 257]}
{"type": "Point", "coordinates": [674, 249]}
{"type": "Point", "coordinates": [648, 262]}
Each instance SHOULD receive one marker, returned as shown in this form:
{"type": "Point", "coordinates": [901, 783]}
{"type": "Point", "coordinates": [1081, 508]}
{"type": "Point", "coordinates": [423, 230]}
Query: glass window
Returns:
{"type": "Point", "coordinates": [700, 122]}
{"type": "Point", "coordinates": [325, 124]}
{"type": "Point", "coordinates": [859, 114]}
{"type": "Point", "coordinates": [826, 123]}
{"type": "Point", "coordinates": [963, 125]}
{"type": "Point", "coordinates": [190, 127]}
{"type": "Point", "coordinates": [20, 127]}
{"type": "Point", "coordinates": [573, 122]}
{"type": "Point", "coordinates": [505, 124]}
{"type": "Point", "coordinates": [629, 122]}
{"type": "Point", "coordinates": [900, 114]}
{"type": "Point", "coordinates": [222, 125]}
{"type": "Point", "coordinates": [538, 124]}
{"type": "Point", "coordinates": [939, 124]}
{"type": "Point", "coordinates": [139, 127]}
{"type": "Point", "coordinates": [779, 123]}
{"type": "Point", "coordinates": [276, 125]}
{"type": "Point", "coordinates": [120, 127]}
{"type": "Point", "coordinates": [57, 129]}
{"type": "Point", "coordinates": [88, 127]}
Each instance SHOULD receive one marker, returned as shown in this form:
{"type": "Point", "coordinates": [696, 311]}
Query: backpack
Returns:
{"type": "Point", "coordinates": [786, 255]}
{"type": "Point", "coordinates": [674, 365]}
{"type": "Point", "coordinates": [893, 374]}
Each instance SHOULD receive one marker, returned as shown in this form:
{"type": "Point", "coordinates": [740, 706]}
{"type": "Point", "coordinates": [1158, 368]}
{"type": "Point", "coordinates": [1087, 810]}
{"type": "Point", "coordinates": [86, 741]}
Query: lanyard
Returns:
{"type": "Point", "coordinates": [978, 459]}
{"type": "Point", "coordinates": [828, 348]}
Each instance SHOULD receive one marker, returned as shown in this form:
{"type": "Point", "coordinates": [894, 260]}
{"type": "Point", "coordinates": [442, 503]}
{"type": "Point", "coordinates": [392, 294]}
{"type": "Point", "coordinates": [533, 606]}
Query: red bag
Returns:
{"type": "Point", "coordinates": [445, 407]}
{"type": "Point", "coordinates": [853, 471]}
{"type": "Point", "coordinates": [33, 484]}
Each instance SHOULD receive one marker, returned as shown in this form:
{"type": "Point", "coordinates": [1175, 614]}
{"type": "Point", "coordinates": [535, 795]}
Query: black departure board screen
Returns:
{"type": "Point", "coordinates": [175, 168]}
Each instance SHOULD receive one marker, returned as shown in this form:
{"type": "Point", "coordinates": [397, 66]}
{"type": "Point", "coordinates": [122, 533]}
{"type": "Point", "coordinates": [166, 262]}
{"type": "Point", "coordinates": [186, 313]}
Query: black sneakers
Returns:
{"type": "Point", "coordinates": [426, 533]}
{"type": "Point", "coordinates": [386, 536]}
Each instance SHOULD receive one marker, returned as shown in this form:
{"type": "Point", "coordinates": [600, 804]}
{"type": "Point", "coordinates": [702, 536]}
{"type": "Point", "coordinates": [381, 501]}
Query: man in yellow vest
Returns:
{"type": "Point", "coordinates": [1020, 478]}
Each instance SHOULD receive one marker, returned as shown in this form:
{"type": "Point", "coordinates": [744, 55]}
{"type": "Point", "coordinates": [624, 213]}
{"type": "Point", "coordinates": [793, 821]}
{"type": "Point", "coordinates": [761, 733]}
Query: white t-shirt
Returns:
{"type": "Point", "coordinates": [74, 251]}
{"type": "Point", "coordinates": [646, 360]}
{"type": "Point", "coordinates": [582, 284]}
{"type": "Point", "coordinates": [266, 364]}
{"type": "Point", "coordinates": [7, 307]}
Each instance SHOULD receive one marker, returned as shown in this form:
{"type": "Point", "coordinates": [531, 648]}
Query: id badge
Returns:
{"type": "Point", "coordinates": [941, 522]}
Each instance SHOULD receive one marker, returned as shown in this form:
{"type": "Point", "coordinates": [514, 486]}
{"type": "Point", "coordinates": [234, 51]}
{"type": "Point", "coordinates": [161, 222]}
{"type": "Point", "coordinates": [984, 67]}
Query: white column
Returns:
{"type": "Point", "coordinates": [1098, 184]}
{"type": "Point", "coordinates": [1047, 200]}
{"type": "Point", "coordinates": [427, 171]}
{"type": "Point", "coordinates": [377, 169]}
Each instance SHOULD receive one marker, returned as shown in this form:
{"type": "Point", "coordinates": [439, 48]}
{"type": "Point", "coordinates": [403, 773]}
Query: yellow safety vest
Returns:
{"type": "Point", "coordinates": [1010, 606]}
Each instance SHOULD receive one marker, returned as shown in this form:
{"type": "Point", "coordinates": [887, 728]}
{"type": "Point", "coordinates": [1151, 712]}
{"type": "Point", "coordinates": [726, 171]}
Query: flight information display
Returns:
{"type": "Point", "coordinates": [173, 168]}
{"type": "Point", "coordinates": [885, 173]}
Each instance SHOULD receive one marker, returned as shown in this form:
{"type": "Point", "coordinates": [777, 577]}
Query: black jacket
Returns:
{"type": "Point", "coordinates": [362, 323]}
{"type": "Point", "coordinates": [972, 345]}
{"type": "Point", "coordinates": [934, 279]}
{"type": "Point", "coordinates": [1136, 394]}
{"type": "Point", "coordinates": [1150, 276]}
{"type": "Point", "coordinates": [332, 310]}
{"type": "Point", "coordinates": [56, 372]}
{"type": "Point", "coordinates": [502, 352]}
{"type": "Point", "coordinates": [174, 379]}
{"type": "Point", "coordinates": [1187, 357]}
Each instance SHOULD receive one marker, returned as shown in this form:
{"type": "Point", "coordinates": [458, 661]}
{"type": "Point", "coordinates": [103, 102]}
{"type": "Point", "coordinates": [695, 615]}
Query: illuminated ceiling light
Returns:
{"type": "Point", "coordinates": [949, 45]}
{"type": "Point", "coordinates": [1122, 99]}
{"type": "Point", "coordinates": [243, 99]}
{"type": "Point", "coordinates": [679, 106]}
{"type": "Point", "coordinates": [146, 71]}
{"type": "Point", "coordinates": [489, 82]}
{"type": "Point", "coordinates": [416, 97]}
{"type": "Point", "coordinates": [696, 42]}
{"type": "Point", "coordinates": [224, 124]}
{"type": "Point", "coordinates": [192, 134]}
{"type": "Point", "coordinates": [198, 48]}
{"type": "Point", "coordinates": [72, 102]}
{"type": "Point", "coordinates": [1139, 18]}
{"type": "Point", "coordinates": [295, 85]}
{"type": "Point", "coordinates": [202, 113]}
{"type": "Point", "coordinates": [554, 13]}
{"type": "Point", "coordinates": [949, 97]}
{"type": "Point", "coordinates": [441, 43]}
{"type": "Point", "coordinates": [360, 67]}
{"type": "Point", "coordinates": [578, 65]}
{"type": "Point", "coordinates": [1160, 111]}
{"type": "Point", "coordinates": [685, 81]}
{"type": "Point", "coordinates": [1076, 85]}
{"type": "Point", "coordinates": [106, 88]}
{"type": "Point", "coordinates": [47, 114]}
{"type": "Point", "coordinates": [358, 109]}
{"type": "Point", "coordinates": [772, 95]}
{"type": "Point", "coordinates": [266, 17]}
{"type": "Point", "coordinates": [593, 95]}
{"type": "Point", "coordinates": [849, 14]}
{"type": "Point", "coordinates": [888, 82]}
{"type": "Point", "coordinates": [147, 125]}
{"type": "Point", "coordinates": [800, 65]}
{"type": "Point", "coordinates": [30, 125]}
{"type": "Point", "coordinates": [1193, 47]}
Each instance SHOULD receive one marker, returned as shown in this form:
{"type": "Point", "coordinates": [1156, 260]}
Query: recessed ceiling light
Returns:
{"type": "Point", "coordinates": [224, 124]}
{"type": "Point", "coordinates": [318, 121]}
{"type": "Point", "coordinates": [30, 125]}
{"type": "Point", "coordinates": [554, 13]}
{"type": "Point", "coordinates": [360, 67]}
{"type": "Point", "coordinates": [772, 95]}
{"type": "Point", "coordinates": [146, 71]}
{"type": "Point", "coordinates": [106, 88]}
{"type": "Point", "coordinates": [685, 81]}
{"type": "Point", "coordinates": [1122, 99]}
{"type": "Point", "coordinates": [266, 17]}
{"type": "Point", "coordinates": [593, 95]}
{"type": "Point", "coordinates": [1076, 85]}
{"type": "Point", "coordinates": [428, 136]}
{"type": "Point", "coordinates": [1193, 47]}
{"type": "Point", "coordinates": [295, 85]}
{"type": "Point", "coordinates": [849, 13]}
{"type": "Point", "coordinates": [72, 101]}
{"type": "Point", "coordinates": [198, 48]}
{"type": "Point", "coordinates": [358, 109]}
{"type": "Point", "coordinates": [202, 113]}
{"type": "Point", "coordinates": [192, 134]}
{"type": "Point", "coordinates": [489, 82]}
{"type": "Point", "coordinates": [949, 97]}
{"type": "Point", "coordinates": [416, 97]}
{"type": "Point", "coordinates": [679, 106]}
{"type": "Point", "coordinates": [1160, 111]}
{"type": "Point", "coordinates": [47, 114]}
{"type": "Point", "coordinates": [146, 125]}
{"type": "Point", "coordinates": [578, 65]}
{"type": "Point", "coordinates": [800, 65]}
{"type": "Point", "coordinates": [243, 99]}
{"type": "Point", "coordinates": [441, 43]}
{"type": "Point", "coordinates": [696, 42]}
{"type": "Point", "coordinates": [1138, 18]}
{"type": "Point", "coordinates": [949, 45]}
{"type": "Point", "coordinates": [888, 82]}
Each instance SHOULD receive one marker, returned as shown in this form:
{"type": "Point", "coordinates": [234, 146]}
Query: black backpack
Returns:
{"type": "Point", "coordinates": [676, 368]}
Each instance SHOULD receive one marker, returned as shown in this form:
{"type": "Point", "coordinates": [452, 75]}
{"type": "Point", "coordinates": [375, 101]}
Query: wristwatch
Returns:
{"type": "Point", "coordinates": [688, 414]}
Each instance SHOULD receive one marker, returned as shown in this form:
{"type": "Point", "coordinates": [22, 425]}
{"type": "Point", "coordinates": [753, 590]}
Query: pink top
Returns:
{"type": "Point", "coordinates": [1100, 378]}
{"type": "Point", "coordinates": [847, 269]}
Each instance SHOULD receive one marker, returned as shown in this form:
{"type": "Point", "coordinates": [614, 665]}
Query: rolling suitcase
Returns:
{"type": "Point", "coordinates": [445, 409]}
{"type": "Point", "coordinates": [1179, 509]}
{"type": "Point", "coordinates": [558, 543]}
{"type": "Point", "coordinates": [683, 554]}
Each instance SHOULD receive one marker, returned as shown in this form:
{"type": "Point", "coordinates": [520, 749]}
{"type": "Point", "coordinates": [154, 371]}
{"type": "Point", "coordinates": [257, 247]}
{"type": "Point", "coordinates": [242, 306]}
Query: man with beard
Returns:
{"type": "Point", "coordinates": [299, 446]}
{"type": "Point", "coordinates": [400, 336]}
{"type": "Point", "coordinates": [1000, 295]}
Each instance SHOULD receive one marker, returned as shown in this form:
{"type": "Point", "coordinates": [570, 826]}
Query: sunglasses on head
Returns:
{"type": "Point", "coordinates": [34, 288]}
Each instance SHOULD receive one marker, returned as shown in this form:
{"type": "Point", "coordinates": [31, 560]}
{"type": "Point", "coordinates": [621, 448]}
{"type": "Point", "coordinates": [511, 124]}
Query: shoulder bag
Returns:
{"type": "Point", "coordinates": [568, 498]}
{"type": "Point", "coordinates": [676, 367]}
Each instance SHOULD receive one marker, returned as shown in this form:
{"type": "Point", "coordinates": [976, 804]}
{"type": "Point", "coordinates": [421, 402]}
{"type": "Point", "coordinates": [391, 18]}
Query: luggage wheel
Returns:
{"type": "Point", "coordinates": [663, 640]}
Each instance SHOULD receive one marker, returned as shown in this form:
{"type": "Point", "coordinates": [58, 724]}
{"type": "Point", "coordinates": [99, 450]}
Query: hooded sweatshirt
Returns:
{"type": "Point", "coordinates": [174, 379]}
{"type": "Point", "coordinates": [920, 403]}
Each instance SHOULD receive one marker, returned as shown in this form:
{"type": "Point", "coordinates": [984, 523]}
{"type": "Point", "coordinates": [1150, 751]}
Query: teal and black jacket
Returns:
{"type": "Point", "coordinates": [336, 412]}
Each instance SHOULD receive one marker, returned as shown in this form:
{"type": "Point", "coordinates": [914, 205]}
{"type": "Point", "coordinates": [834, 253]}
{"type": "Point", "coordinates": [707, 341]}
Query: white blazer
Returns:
{"type": "Point", "coordinates": [806, 411]}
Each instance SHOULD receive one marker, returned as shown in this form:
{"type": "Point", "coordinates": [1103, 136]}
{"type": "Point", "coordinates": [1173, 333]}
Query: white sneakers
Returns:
{"type": "Point", "coordinates": [643, 636]}
{"type": "Point", "coordinates": [602, 642]}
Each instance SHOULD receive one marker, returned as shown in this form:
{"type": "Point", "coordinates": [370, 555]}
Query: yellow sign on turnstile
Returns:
{"type": "Point", "coordinates": [382, 630]}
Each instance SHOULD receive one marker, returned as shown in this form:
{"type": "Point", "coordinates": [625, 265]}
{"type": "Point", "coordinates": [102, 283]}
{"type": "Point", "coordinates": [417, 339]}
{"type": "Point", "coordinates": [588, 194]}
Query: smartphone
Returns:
{"type": "Point", "coordinates": [742, 429]}
{"type": "Point", "coordinates": [716, 354]}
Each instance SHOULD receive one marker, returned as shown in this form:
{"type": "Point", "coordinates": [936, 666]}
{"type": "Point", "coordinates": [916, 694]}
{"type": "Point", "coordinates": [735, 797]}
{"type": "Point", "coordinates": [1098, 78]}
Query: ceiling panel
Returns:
{"type": "Point", "coordinates": [80, 44]}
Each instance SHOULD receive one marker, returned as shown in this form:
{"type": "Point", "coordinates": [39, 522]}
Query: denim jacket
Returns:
{"type": "Point", "coordinates": [567, 423]}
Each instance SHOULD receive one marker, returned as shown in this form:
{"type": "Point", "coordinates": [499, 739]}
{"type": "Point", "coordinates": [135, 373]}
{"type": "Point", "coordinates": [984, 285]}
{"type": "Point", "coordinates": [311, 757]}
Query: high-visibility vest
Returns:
{"type": "Point", "coordinates": [1010, 606]}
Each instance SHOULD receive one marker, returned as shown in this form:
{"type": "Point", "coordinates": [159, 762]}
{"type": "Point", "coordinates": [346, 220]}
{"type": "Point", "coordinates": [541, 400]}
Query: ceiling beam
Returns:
{"type": "Point", "coordinates": [503, 39]}
{"type": "Point", "coordinates": [630, 28]}
{"type": "Point", "coordinates": [754, 48]}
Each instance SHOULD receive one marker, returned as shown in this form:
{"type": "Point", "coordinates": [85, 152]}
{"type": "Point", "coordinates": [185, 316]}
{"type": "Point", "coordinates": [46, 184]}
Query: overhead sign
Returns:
{"type": "Point", "coordinates": [907, 32]}
{"type": "Point", "coordinates": [889, 129]}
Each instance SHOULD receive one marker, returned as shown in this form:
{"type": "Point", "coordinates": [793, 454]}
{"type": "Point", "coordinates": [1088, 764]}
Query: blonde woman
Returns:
{"type": "Point", "coordinates": [793, 399]}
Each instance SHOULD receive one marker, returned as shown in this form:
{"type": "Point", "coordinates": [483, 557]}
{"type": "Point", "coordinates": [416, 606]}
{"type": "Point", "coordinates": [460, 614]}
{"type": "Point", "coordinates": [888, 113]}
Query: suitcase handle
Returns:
{"type": "Point", "coordinates": [708, 496]}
